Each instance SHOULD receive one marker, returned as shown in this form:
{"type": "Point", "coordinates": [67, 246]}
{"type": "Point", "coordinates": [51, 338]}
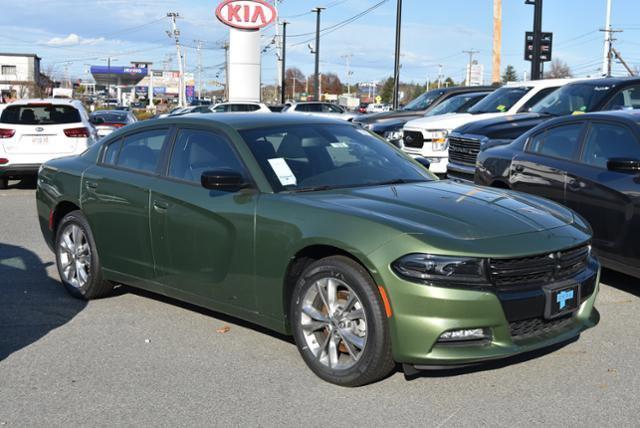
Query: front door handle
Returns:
{"type": "Point", "coordinates": [160, 206]}
{"type": "Point", "coordinates": [92, 185]}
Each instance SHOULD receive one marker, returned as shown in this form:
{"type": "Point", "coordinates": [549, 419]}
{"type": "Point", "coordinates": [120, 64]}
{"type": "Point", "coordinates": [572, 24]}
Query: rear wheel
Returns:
{"type": "Point", "coordinates": [77, 258]}
{"type": "Point", "coordinates": [339, 323]}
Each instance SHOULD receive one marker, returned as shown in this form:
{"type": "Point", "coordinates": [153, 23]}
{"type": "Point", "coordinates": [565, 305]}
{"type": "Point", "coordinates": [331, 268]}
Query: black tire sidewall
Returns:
{"type": "Point", "coordinates": [95, 276]}
{"type": "Point", "coordinates": [377, 349]}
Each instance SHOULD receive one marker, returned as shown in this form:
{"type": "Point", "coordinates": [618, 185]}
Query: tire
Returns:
{"type": "Point", "coordinates": [344, 344]}
{"type": "Point", "coordinates": [4, 183]}
{"type": "Point", "coordinates": [79, 265]}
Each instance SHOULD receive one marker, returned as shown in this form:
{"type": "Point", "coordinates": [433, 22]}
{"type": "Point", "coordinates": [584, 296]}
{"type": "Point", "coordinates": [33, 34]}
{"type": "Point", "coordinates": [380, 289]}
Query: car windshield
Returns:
{"type": "Point", "coordinates": [500, 101]}
{"type": "Point", "coordinates": [570, 99]}
{"type": "Point", "coordinates": [424, 101]}
{"type": "Point", "coordinates": [454, 104]}
{"type": "Point", "coordinates": [40, 114]}
{"type": "Point", "coordinates": [324, 156]}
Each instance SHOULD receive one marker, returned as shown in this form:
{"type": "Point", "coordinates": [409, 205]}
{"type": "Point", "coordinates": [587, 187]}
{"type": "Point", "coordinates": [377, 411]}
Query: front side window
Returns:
{"type": "Point", "coordinates": [561, 142]}
{"type": "Point", "coordinates": [330, 108]}
{"type": "Point", "coordinates": [221, 109]}
{"type": "Point", "coordinates": [536, 99]}
{"type": "Point", "coordinates": [197, 151]}
{"type": "Point", "coordinates": [607, 141]}
{"type": "Point", "coordinates": [500, 100]}
{"type": "Point", "coordinates": [141, 151]}
{"type": "Point", "coordinates": [308, 157]}
{"type": "Point", "coordinates": [626, 99]}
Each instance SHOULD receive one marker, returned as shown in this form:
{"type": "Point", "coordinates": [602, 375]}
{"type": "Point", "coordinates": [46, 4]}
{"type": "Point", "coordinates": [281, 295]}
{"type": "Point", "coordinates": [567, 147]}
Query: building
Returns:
{"type": "Point", "coordinates": [20, 76]}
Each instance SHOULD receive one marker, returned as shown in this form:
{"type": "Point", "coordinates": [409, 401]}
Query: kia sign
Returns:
{"type": "Point", "coordinates": [246, 14]}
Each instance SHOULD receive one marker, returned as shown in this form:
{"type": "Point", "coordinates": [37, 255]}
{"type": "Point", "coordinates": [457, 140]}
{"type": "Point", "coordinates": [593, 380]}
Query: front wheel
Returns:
{"type": "Point", "coordinates": [339, 323]}
{"type": "Point", "coordinates": [77, 258]}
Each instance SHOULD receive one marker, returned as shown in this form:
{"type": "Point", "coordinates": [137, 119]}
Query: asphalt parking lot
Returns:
{"type": "Point", "coordinates": [140, 359]}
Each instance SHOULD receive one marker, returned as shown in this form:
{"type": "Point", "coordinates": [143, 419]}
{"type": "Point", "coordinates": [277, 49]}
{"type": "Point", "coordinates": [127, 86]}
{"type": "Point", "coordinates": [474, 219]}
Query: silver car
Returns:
{"type": "Point", "coordinates": [322, 109]}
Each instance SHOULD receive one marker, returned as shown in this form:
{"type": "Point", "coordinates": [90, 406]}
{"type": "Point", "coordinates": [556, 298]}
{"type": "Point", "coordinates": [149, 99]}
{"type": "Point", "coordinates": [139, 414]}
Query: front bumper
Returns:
{"type": "Point", "coordinates": [516, 322]}
{"type": "Point", "coordinates": [460, 171]}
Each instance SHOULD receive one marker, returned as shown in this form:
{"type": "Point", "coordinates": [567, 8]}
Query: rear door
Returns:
{"type": "Point", "coordinates": [115, 199]}
{"type": "Point", "coordinates": [42, 130]}
{"type": "Point", "coordinates": [541, 169]}
{"type": "Point", "coordinates": [609, 200]}
{"type": "Point", "coordinates": [203, 239]}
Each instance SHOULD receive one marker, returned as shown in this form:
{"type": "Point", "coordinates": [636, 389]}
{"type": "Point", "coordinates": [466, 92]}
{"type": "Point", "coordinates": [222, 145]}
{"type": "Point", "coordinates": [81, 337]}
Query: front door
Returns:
{"type": "Point", "coordinates": [115, 199]}
{"type": "Point", "coordinates": [541, 169]}
{"type": "Point", "coordinates": [609, 200]}
{"type": "Point", "coordinates": [203, 239]}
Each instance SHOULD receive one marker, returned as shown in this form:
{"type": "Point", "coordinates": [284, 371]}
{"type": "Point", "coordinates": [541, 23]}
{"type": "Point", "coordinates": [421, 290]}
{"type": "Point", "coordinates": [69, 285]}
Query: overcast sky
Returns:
{"type": "Point", "coordinates": [82, 33]}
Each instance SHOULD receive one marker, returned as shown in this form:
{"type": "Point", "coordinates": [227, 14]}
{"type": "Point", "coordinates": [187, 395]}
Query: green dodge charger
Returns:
{"type": "Point", "coordinates": [319, 229]}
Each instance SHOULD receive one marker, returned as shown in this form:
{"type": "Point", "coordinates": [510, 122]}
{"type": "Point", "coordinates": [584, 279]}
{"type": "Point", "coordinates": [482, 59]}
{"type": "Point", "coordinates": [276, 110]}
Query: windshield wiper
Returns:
{"type": "Point", "coordinates": [313, 189]}
{"type": "Point", "coordinates": [396, 181]}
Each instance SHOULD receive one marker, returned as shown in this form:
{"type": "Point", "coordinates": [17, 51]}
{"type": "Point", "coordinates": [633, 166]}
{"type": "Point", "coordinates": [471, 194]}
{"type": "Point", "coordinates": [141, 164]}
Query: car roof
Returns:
{"type": "Point", "coordinates": [465, 89]}
{"type": "Point", "coordinates": [243, 121]}
{"type": "Point", "coordinates": [53, 101]}
{"type": "Point", "coordinates": [120, 112]}
{"type": "Point", "coordinates": [629, 116]}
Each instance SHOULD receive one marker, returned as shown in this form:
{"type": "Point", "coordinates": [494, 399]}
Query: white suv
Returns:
{"type": "Point", "coordinates": [427, 136]}
{"type": "Point", "coordinates": [35, 131]}
{"type": "Point", "coordinates": [240, 107]}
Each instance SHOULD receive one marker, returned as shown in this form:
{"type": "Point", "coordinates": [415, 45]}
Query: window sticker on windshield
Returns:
{"type": "Point", "coordinates": [282, 170]}
{"type": "Point", "coordinates": [502, 108]}
{"type": "Point", "coordinates": [340, 145]}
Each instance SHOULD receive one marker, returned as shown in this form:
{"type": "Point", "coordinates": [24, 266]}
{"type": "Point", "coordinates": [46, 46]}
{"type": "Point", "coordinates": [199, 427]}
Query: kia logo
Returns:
{"type": "Point", "coordinates": [246, 14]}
{"type": "Point", "coordinates": [39, 129]}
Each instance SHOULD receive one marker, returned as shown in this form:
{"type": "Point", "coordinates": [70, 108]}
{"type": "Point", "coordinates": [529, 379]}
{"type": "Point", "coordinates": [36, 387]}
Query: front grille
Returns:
{"type": "Point", "coordinates": [538, 327]}
{"type": "Point", "coordinates": [543, 268]}
{"type": "Point", "coordinates": [463, 150]}
{"type": "Point", "coordinates": [413, 139]}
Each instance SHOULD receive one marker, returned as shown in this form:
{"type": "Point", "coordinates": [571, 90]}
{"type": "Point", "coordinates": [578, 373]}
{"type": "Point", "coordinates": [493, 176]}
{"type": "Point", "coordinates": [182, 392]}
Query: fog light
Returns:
{"type": "Point", "coordinates": [464, 335]}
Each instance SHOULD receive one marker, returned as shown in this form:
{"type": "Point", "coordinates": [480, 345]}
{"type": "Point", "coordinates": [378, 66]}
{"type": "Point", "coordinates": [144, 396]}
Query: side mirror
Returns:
{"type": "Point", "coordinates": [423, 161]}
{"type": "Point", "coordinates": [623, 165]}
{"type": "Point", "coordinates": [223, 180]}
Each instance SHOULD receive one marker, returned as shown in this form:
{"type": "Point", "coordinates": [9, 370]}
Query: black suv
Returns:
{"type": "Point", "coordinates": [575, 98]}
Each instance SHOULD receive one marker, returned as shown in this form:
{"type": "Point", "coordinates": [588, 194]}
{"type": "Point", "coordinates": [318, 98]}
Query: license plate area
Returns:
{"type": "Point", "coordinates": [40, 140]}
{"type": "Point", "coordinates": [561, 300]}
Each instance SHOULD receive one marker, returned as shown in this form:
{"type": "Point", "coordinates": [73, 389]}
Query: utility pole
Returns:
{"type": "Point", "coordinates": [622, 61]}
{"type": "Point", "coordinates": [226, 70]}
{"type": "Point", "coordinates": [316, 77]}
{"type": "Point", "coordinates": [470, 52]}
{"type": "Point", "coordinates": [606, 60]}
{"type": "Point", "coordinates": [199, 49]}
{"type": "Point", "coordinates": [283, 93]}
{"type": "Point", "coordinates": [279, 47]}
{"type": "Point", "coordinates": [347, 58]}
{"type": "Point", "coordinates": [396, 68]}
{"type": "Point", "coordinates": [497, 41]}
{"type": "Point", "coordinates": [175, 34]}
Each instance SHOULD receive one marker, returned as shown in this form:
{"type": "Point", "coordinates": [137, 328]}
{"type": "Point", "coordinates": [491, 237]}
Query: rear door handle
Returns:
{"type": "Point", "coordinates": [92, 185]}
{"type": "Point", "coordinates": [160, 206]}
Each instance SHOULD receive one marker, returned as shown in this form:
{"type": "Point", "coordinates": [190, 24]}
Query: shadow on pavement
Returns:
{"type": "Point", "coordinates": [31, 303]}
{"type": "Point", "coordinates": [621, 281]}
{"type": "Point", "coordinates": [27, 183]}
{"type": "Point", "coordinates": [204, 311]}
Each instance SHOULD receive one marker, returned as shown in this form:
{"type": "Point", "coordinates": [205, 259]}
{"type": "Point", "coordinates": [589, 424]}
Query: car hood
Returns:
{"type": "Point", "coordinates": [386, 124]}
{"type": "Point", "coordinates": [388, 115]}
{"type": "Point", "coordinates": [447, 209]}
{"type": "Point", "coordinates": [504, 127]}
{"type": "Point", "coordinates": [448, 121]}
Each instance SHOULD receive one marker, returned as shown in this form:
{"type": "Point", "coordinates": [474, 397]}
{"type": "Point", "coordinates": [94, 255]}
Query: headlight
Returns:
{"type": "Point", "coordinates": [394, 135]}
{"type": "Point", "coordinates": [442, 269]}
{"type": "Point", "coordinates": [439, 141]}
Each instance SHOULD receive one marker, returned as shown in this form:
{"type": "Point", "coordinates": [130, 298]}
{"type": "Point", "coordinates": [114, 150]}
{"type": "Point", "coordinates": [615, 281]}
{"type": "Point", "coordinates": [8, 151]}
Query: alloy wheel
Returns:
{"type": "Point", "coordinates": [334, 323]}
{"type": "Point", "coordinates": [74, 255]}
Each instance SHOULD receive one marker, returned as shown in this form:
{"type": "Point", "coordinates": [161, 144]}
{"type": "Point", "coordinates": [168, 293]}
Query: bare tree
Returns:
{"type": "Point", "coordinates": [558, 70]}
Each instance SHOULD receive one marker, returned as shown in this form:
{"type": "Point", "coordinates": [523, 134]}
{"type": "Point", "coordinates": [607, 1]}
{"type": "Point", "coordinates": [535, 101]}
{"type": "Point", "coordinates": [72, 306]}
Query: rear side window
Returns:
{"type": "Point", "coordinates": [560, 142]}
{"type": "Point", "coordinates": [139, 152]}
{"type": "Point", "coordinates": [197, 151]}
{"type": "Point", "coordinates": [536, 99]}
{"type": "Point", "coordinates": [40, 114]}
